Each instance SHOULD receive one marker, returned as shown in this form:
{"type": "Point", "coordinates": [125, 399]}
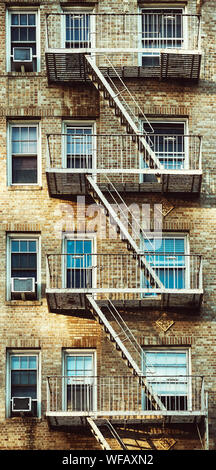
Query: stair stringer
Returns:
{"type": "Point", "coordinates": [98, 434]}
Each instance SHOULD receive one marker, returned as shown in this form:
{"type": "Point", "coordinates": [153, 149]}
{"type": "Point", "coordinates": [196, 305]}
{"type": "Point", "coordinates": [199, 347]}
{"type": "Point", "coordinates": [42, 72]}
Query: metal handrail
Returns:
{"type": "Point", "coordinates": [124, 17]}
{"type": "Point", "coordinates": [96, 149]}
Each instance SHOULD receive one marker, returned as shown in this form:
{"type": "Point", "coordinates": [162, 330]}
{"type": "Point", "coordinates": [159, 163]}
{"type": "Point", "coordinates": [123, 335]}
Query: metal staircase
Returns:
{"type": "Point", "coordinates": [97, 434]}
{"type": "Point", "coordinates": [99, 197]}
{"type": "Point", "coordinates": [121, 107]}
{"type": "Point", "coordinates": [121, 336]}
{"type": "Point", "coordinates": [120, 347]}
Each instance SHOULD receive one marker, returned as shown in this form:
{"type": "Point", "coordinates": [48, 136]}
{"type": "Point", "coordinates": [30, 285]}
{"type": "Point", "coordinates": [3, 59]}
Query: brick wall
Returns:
{"type": "Point", "coordinates": [30, 325]}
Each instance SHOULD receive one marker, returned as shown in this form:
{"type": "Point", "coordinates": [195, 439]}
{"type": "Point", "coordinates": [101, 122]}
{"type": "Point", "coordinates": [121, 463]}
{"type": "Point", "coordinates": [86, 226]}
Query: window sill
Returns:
{"type": "Point", "coordinates": [25, 74]}
{"type": "Point", "coordinates": [18, 418]}
{"type": "Point", "coordinates": [23, 303]}
{"type": "Point", "coordinates": [28, 187]}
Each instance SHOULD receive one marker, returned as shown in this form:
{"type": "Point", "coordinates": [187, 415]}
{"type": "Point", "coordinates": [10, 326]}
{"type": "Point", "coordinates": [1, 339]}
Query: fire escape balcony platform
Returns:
{"type": "Point", "coordinates": [119, 162]}
{"type": "Point", "coordinates": [71, 182]}
{"type": "Point", "coordinates": [73, 301]}
{"type": "Point", "coordinates": [70, 418]}
{"type": "Point", "coordinates": [71, 400]}
{"type": "Point", "coordinates": [140, 45]}
{"type": "Point", "coordinates": [68, 66]}
{"type": "Point", "coordinates": [124, 279]}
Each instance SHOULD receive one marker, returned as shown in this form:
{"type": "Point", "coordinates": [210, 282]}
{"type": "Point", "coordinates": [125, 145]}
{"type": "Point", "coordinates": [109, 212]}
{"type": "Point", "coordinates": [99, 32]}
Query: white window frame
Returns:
{"type": "Point", "coordinates": [81, 124]}
{"type": "Point", "coordinates": [186, 253]}
{"type": "Point", "coordinates": [79, 352]}
{"type": "Point", "coordinates": [21, 10]}
{"type": "Point", "coordinates": [23, 123]}
{"type": "Point", "coordinates": [79, 236]}
{"type": "Point", "coordinates": [78, 10]}
{"type": "Point", "coordinates": [22, 352]}
{"type": "Point", "coordinates": [162, 6]}
{"type": "Point", "coordinates": [173, 349]}
{"type": "Point", "coordinates": [23, 237]}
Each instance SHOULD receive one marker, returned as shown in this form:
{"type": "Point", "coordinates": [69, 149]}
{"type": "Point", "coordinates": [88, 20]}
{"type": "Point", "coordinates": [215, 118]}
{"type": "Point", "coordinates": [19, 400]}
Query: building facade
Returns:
{"type": "Point", "coordinates": [108, 213]}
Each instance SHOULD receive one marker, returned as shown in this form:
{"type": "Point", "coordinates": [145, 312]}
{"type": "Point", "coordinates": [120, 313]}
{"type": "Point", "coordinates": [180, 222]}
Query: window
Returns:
{"type": "Point", "coordinates": [78, 146]}
{"type": "Point", "coordinates": [23, 384]}
{"type": "Point", "coordinates": [169, 144]}
{"type": "Point", "coordinates": [79, 373]}
{"type": "Point", "coordinates": [23, 263]}
{"type": "Point", "coordinates": [162, 28]}
{"type": "Point", "coordinates": [23, 154]}
{"type": "Point", "coordinates": [23, 42]}
{"type": "Point", "coordinates": [167, 258]}
{"type": "Point", "coordinates": [79, 263]}
{"type": "Point", "coordinates": [77, 30]}
{"type": "Point", "coordinates": [167, 371]}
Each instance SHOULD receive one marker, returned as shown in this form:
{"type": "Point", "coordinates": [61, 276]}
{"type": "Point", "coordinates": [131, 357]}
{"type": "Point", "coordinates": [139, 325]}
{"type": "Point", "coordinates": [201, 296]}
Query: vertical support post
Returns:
{"type": "Point", "coordinates": [47, 35]}
{"type": "Point", "coordinates": [47, 273]}
{"type": "Point", "coordinates": [48, 395]}
{"type": "Point", "coordinates": [206, 424]}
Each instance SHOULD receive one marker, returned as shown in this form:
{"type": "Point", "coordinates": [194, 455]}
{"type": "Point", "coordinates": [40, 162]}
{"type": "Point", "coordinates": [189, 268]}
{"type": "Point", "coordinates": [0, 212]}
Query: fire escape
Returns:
{"type": "Point", "coordinates": [133, 279]}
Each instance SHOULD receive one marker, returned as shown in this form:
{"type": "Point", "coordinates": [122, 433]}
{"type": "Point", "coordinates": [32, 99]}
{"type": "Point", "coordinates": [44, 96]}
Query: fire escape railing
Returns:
{"type": "Point", "coordinates": [120, 274]}
{"type": "Point", "coordinates": [124, 395]}
{"type": "Point", "coordinates": [120, 32]}
{"type": "Point", "coordinates": [120, 154]}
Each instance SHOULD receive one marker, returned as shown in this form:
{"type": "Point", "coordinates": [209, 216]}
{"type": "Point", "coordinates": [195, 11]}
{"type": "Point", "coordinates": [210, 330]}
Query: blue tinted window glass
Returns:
{"type": "Point", "coordinates": [23, 19]}
{"type": "Point", "coordinates": [23, 362]}
{"type": "Point", "coordinates": [15, 362]}
{"type": "Point", "coordinates": [15, 246]}
{"type": "Point", "coordinates": [32, 362]}
{"type": "Point", "coordinates": [32, 246]}
{"type": "Point", "coordinates": [23, 246]}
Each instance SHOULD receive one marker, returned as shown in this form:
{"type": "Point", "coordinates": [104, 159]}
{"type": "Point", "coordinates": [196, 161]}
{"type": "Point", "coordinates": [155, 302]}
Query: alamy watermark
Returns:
{"type": "Point", "coordinates": [109, 223]}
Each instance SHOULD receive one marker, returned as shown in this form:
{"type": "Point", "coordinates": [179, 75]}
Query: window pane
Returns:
{"type": "Point", "coordinates": [23, 19]}
{"type": "Point", "coordinates": [15, 34]}
{"type": "Point", "coordinates": [23, 34]}
{"type": "Point", "coordinates": [24, 362]}
{"type": "Point", "coordinates": [24, 170]}
{"type": "Point", "coordinates": [23, 246]}
{"type": "Point", "coordinates": [15, 246]}
{"type": "Point", "coordinates": [14, 19]}
{"type": "Point", "coordinates": [80, 363]}
{"type": "Point", "coordinates": [31, 19]}
{"type": "Point", "coordinates": [32, 362]}
{"type": "Point", "coordinates": [32, 246]}
{"type": "Point", "coordinates": [71, 364]}
{"type": "Point", "coordinates": [88, 363]}
{"type": "Point", "coordinates": [167, 363]}
{"type": "Point", "coordinates": [15, 362]}
{"type": "Point", "coordinates": [15, 377]}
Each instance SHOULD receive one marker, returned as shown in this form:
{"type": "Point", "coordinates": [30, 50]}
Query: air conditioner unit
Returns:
{"type": "Point", "coordinates": [22, 284]}
{"type": "Point", "coordinates": [21, 404]}
{"type": "Point", "coordinates": [22, 57]}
